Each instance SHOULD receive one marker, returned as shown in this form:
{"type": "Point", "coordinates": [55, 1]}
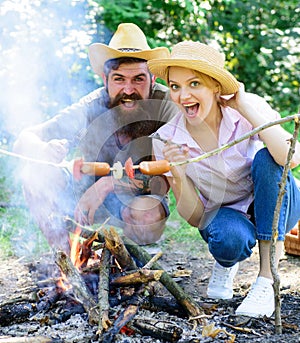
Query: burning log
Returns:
{"type": "Point", "coordinates": [139, 276]}
{"type": "Point", "coordinates": [79, 287]}
{"type": "Point", "coordinates": [103, 291]}
{"type": "Point", "coordinates": [125, 316]}
{"type": "Point", "coordinates": [117, 248]}
{"type": "Point", "coordinates": [190, 306]}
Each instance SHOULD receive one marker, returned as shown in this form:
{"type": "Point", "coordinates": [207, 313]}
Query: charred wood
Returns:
{"type": "Point", "coordinates": [161, 329]}
{"type": "Point", "coordinates": [17, 312]}
{"type": "Point", "coordinates": [165, 304]}
{"type": "Point", "coordinates": [79, 287]}
{"type": "Point", "coordinates": [36, 339]}
{"type": "Point", "coordinates": [125, 316]}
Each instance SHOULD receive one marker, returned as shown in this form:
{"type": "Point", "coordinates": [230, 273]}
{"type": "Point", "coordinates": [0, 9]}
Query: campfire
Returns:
{"type": "Point", "coordinates": [108, 289]}
{"type": "Point", "coordinates": [112, 282]}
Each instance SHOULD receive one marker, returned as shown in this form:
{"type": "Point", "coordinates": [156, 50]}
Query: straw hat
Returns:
{"type": "Point", "coordinates": [200, 57]}
{"type": "Point", "coordinates": [128, 41]}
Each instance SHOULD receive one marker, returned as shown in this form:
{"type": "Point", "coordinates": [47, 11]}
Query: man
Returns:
{"type": "Point", "coordinates": [109, 125]}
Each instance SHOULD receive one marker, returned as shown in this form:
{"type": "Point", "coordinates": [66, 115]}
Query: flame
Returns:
{"type": "Point", "coordinates": [63, 283]}
{"type": "Point", "coordinates": [76, 248]}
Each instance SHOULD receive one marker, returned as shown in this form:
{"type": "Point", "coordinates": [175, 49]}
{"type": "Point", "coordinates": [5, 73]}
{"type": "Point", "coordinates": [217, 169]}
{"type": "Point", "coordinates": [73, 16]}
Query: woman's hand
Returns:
{"type": "Point", "coordinates": [237, 101]}
{"type": "Point", "coordinates": [174, 153]}
{"type": "Point", "coordinates": [251, 106]}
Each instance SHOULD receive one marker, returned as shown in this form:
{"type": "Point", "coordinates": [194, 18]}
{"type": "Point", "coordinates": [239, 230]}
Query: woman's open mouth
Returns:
{"type": "Point", "coordinates": [191, 109]}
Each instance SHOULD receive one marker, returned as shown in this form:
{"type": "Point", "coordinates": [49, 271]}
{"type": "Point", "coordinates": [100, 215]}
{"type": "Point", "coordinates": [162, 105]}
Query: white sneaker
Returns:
{"type": "Point", "coordinates": [260, 300]}
{"type": "Point", "coordinates": [220, 282]}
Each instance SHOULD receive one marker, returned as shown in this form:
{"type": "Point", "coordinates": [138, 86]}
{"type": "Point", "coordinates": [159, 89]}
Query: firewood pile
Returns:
{"type": "Point", "coordinates": [117, 287]}
{"type": "Point", "coordinates": [111, 290]}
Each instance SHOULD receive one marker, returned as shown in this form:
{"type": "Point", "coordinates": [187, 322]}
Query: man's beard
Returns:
{"type": "Point", "coordinates": [132, 122]}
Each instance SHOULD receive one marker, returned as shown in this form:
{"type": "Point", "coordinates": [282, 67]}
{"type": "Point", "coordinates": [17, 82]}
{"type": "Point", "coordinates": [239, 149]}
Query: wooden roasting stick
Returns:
{"type": "Point", "coordinates": [79, 287]}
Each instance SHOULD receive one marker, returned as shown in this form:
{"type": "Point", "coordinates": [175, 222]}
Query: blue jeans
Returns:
{"type": "Point", "coordinates": [231, 235]}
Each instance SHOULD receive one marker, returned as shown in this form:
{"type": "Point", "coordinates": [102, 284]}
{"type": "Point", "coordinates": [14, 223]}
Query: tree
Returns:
{"type": "Point", "coordinates": [259, 38]}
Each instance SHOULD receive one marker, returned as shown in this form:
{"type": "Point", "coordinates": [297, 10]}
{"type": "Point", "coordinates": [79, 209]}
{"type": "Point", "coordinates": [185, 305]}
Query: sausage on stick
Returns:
{"type": "Point", "coordinates": [102, 168]}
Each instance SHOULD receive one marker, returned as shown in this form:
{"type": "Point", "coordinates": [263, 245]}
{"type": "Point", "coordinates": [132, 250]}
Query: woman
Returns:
{"type": "Point", "coordinates": [231, 196]}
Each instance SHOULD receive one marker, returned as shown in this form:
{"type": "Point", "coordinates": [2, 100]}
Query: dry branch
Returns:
{"type": "Point", "coordinates": [247, 135]}
{"type": "Point", "coordinates": [103, 291]}
{"type": "Point", "coordinates": [136, 277]}
{"type": "Point", "coordinates": [273, 263]}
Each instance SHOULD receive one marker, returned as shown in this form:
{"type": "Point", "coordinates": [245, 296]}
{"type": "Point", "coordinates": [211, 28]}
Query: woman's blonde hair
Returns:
{"type": "Point", "coordinates": [208, 81]}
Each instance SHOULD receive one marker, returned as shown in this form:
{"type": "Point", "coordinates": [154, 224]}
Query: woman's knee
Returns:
{"type": "Point", "coordinates": [230, 236]}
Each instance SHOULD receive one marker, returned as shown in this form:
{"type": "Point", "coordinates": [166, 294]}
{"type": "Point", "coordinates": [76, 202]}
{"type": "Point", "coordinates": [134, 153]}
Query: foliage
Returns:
{"type": "Point", "coordinates": [262, 39]}
{"type": "Point", "coordinates": [259, 38]}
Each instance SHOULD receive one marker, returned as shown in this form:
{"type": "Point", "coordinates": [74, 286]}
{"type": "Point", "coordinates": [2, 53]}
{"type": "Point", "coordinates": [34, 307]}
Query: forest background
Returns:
{"type": "Point", "coordinates": [44, 63]}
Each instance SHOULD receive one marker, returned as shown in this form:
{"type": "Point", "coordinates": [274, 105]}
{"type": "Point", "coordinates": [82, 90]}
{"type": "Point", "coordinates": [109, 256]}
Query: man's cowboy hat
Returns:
{"type": "Point", "coordinates": [128, 41]}
{"type": "Point", "coordinates": [200, 57]}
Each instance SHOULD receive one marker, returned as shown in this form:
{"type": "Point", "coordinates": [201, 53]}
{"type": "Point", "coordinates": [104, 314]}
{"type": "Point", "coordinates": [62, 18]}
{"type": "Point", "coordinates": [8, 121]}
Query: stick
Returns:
{"type": "Point", "coordinates": [68, 164]}
{"type": "Point", "coordinates": [125, 316]}
{"type": "Point", "coordinates": [103, 291]}
{"type": "Point", "coordinates": [276, 278]}
{"type": "Point", "coordinates": [294, 117]}
{"type": "Point", "coordinates": [136, 277]}
{"type": "Point", "coordinates": [155, 258]}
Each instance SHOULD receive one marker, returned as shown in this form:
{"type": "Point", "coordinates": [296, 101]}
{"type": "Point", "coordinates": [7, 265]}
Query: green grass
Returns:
{"type": "Point", "coordinates": [179, 232]}
{"type": "Point", "coordinates": [18, 234]}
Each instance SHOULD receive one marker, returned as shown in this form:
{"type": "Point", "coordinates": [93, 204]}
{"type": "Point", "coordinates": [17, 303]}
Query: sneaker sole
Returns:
{"type": "Point", "coordinates": [216, 296]}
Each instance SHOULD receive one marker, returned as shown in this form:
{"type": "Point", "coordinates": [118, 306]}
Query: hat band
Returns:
{"type": "Point", "coordinates": [129, 49]}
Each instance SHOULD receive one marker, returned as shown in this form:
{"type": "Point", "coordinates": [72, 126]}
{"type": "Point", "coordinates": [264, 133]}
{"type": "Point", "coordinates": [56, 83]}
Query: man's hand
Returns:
{"type": "Point", "coordinates": [92, 199]}
{"type": "Point", "coordinates": [55, 150]}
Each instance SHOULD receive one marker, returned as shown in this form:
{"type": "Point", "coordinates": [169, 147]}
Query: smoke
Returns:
{"type": "Point", "coordinates": [43, 59]}
{"type": "Point", "coordinates": [44, 67]}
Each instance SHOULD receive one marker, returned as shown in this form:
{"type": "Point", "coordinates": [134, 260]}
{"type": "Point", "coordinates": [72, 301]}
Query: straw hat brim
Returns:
{"type": "Point", "coordinates": [229, 84]}
{"type": "Point", "coordinates": [100, 53]}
